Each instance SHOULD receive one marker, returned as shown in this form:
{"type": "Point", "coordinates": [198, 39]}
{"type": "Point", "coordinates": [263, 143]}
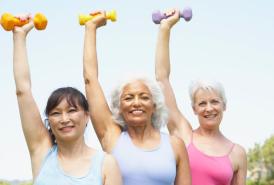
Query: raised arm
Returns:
{"type": "Point", "coordinates": [177, 125]}
{"type": "Point", "coordinates": [36, 135]}
{"type": "Point", "coordinates": [106, 129]}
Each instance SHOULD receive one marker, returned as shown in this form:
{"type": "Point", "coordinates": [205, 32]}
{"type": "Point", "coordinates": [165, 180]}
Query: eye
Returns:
{"type": "Point", "coordinates": [71, 110]}
{"type": "Point", "coordinates": [127, 98]}
{"type": "Point", "coordinates": [202, 104]}
{"type": "Point", "coordinates": [145, 98]}
{"type": "Point", "coordinates": [54, 113]}
{"type": "Point", "coordinates": [215, 102]}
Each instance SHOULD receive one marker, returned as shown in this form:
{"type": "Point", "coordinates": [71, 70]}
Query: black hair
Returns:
{"type": "Point", "coordinates": [74, 98]}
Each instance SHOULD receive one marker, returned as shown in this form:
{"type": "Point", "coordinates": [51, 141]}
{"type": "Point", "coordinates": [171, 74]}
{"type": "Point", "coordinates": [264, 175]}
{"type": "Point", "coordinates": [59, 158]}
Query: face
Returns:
{"type": "Point", "coordinates": [67, 122]}
{"type": "Point", "coordinates": [209, 108]}
{"type": "Point", "coordinates": [136, 104]}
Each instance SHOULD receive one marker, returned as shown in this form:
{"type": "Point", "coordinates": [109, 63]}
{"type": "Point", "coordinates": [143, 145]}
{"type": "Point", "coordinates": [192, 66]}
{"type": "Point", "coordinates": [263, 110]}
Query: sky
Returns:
{"type": "Point", "coordinates": [228, 41]}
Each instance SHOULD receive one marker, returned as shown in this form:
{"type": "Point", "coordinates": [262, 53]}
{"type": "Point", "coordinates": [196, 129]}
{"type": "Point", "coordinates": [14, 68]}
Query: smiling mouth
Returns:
{"type": "Point", "coordinates": [66, 129]}
{"type": "Point", "coordinates": [137, 112]}
{"type": "Point", "coordinates": [211, 116]}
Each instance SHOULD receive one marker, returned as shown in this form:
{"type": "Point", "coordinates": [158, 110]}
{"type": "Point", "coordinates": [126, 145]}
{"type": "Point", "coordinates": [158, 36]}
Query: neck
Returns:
{"type": "Point", "coordinates": [209, 132]}
{"type": "Point", "coordinates": [141, 133]}
{"type": "Point", "coordinates": [72, 149]}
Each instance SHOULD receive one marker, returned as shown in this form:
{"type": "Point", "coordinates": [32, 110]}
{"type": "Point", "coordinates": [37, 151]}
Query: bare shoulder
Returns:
{"type": "Point", "coordinates": [111, 171]}
{"type": "Point", "coordinates": [238, 151]}
{"type": "Point", "coordinates": [238, 157]}
{"type": "Point", "coordinates": [176, 141]}
{"type": "Point", "coordinates": [109, 161]}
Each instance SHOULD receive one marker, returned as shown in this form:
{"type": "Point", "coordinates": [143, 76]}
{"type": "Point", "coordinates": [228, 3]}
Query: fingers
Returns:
{"type": "Point", "coordinates": [28, 27]}
{"type": "Point", "coordinates": [99, 19]}
{"type": "Point", "coordinates": [24, 29]}
{"type": "Point", "coordinates": [24, 17]}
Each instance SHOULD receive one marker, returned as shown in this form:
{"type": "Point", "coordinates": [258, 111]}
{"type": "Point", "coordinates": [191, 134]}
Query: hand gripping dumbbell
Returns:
{"type": "Point", "coordinates": [157, 16]}
{"type": "Point", "coordinates": [8, 21]}
{"type": "Point", "coordinates": [109, 15]}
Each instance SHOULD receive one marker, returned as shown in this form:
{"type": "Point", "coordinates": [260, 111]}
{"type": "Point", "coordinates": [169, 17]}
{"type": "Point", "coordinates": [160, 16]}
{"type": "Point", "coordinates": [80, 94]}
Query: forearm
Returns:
{"type": "Point", "coordinates": [20, 65]}
{"type": "Point", "coordinates": [162, 63]}
{"type": "Point", "coordinates": [90, 55]}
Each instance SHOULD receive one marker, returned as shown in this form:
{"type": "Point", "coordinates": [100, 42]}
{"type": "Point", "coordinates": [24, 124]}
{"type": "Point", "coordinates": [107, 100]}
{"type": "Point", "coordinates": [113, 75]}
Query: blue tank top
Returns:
{"type": "Point", "coordinates": [145, 167]}
{"type": "Point", "coordinates": [52, 174]}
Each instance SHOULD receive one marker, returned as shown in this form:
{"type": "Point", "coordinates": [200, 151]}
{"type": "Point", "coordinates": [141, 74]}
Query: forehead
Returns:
{"type": "Point", "coordinates": [64, 103]}
{"type": "Point", "coordinates": [135, 87]}
{"type": "Point", "coordinates": [206, 94]}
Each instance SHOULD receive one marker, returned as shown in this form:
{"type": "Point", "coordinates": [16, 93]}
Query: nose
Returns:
{"type": "Point", "coordinates": [136, 102]}
{"type": "Point", "coordinates": [209, 107]}
{"type": "Point", "coordinates": [64, 118]}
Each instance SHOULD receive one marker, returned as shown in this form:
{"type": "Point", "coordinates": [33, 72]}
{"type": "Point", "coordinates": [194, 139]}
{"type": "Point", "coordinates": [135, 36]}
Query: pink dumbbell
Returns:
{"type": "Point", "coordinates": [157, 16]}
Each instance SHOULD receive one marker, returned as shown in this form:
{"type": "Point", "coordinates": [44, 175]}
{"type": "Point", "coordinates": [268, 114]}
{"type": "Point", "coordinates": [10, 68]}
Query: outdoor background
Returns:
{"type": "Point", "coordinates": [229, 41]}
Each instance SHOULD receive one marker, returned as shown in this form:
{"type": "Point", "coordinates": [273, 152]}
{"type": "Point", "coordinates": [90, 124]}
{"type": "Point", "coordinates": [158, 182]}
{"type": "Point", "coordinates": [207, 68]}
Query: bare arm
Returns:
{"type": "Point", "coordinates": [36, 135]}
{"type": "Point", "coordinates": [111, 171]}
{"type": "Point", "coordinates": [178, 124]}
{"type": "Point", "coordinates": [106, 129]}
{"type": "Point", "coordinates": [239, 176]}
{"type": "Point", "coordinates": [183, 175]}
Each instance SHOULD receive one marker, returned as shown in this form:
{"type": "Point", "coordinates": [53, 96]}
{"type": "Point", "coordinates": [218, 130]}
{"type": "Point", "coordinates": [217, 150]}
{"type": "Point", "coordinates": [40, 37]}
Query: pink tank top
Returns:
{"type": "Point", "coordinates": [209, 170]}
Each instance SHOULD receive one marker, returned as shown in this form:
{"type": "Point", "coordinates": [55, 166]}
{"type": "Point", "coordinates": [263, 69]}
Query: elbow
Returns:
{"type": "Point", "coordinates": [161, 78]}
{"type": "Point", "coordinates": [21, 92]}
{"type": "Point", "coordinates": [87, 81]}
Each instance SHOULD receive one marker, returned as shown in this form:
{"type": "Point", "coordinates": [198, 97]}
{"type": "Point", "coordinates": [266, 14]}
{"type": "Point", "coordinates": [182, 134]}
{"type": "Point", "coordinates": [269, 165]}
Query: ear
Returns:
{"type": "Point", "coordinates": [87, 116]}
{"type": "Point", "coordinates": [194, 110]}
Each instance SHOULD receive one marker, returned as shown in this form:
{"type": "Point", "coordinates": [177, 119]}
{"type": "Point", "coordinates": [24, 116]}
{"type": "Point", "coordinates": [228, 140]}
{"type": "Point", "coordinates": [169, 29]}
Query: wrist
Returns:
{"type": "Point", "coordinates": [90, 26]}
{"type": "Point", "coordinates": [165, 28]}
{"type": "Point", "coordinates": [19, 36]}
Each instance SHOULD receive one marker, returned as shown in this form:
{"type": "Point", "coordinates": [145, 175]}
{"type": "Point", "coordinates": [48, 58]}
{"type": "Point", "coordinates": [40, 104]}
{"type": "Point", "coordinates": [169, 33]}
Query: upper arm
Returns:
{"type": "Point", "coordinates": [183, 175]}
{"type": "Point", "coordinates": [177, 124]}
{"type": "Point", "coordinates": [111, 171]}
{"type": "Point", "coordinates": [239, 176]}
{"type": "Point", "coordinates": [101, 117]}
{"type": "Point", "coordinates": [36, 134]}
{"type": "Point", "coordinates": [105, 127]}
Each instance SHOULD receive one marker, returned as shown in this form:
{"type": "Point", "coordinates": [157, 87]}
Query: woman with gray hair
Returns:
{"type": "Point", "coordinates": [213, 158]}
{"type": "Point", "coordinates": [131, 129]}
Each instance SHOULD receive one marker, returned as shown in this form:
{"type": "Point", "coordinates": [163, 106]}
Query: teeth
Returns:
{"type": "Point", "coordinates": [210, 116]}
{"type": "Point", "coordinates": [137, 112]}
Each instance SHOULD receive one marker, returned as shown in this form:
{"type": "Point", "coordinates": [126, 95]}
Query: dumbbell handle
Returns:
{"type": "Point", "coordinates": [157, 16]}
{"type": "Point", "coordinates": [8, 21]}
{"type": "Point", "coordinates": [109, 15]}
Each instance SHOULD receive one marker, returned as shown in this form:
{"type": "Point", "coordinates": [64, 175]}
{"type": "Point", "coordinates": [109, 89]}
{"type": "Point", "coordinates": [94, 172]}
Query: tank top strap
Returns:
{"type": "Point", "coordinates": [231, 148]}
{"type": "Point", "coordinates": [191, 137]}
{"type": "Point", "coordinates": [97, 162]}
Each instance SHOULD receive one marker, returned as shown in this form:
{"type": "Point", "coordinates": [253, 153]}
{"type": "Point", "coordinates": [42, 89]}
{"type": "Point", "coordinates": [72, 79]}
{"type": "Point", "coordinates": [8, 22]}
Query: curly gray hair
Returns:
{"type": "Point", "coordinates": [159, 117]}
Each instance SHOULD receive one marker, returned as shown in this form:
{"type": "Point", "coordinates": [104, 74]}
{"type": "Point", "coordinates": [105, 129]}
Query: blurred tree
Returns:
{"type": "Point", "coordinates": [4, 183]}
{"type": "Point", "coordinates": [261, 163]}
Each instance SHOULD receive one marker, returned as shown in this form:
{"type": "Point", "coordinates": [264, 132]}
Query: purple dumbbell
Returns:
{"type": "Point", "coordinates": [157, 16]}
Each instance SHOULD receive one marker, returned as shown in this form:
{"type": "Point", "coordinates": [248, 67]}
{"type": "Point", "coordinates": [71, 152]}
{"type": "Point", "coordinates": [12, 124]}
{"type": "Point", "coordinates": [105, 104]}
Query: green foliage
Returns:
{"type": "Point", "coordinates": [4, 183]}
{"type": "Point", "coordinates": [261, 163]}
{"type": "Point", "coordinates": [26, 183]}
{"type": "Point", "coordinates": [268, 156]}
